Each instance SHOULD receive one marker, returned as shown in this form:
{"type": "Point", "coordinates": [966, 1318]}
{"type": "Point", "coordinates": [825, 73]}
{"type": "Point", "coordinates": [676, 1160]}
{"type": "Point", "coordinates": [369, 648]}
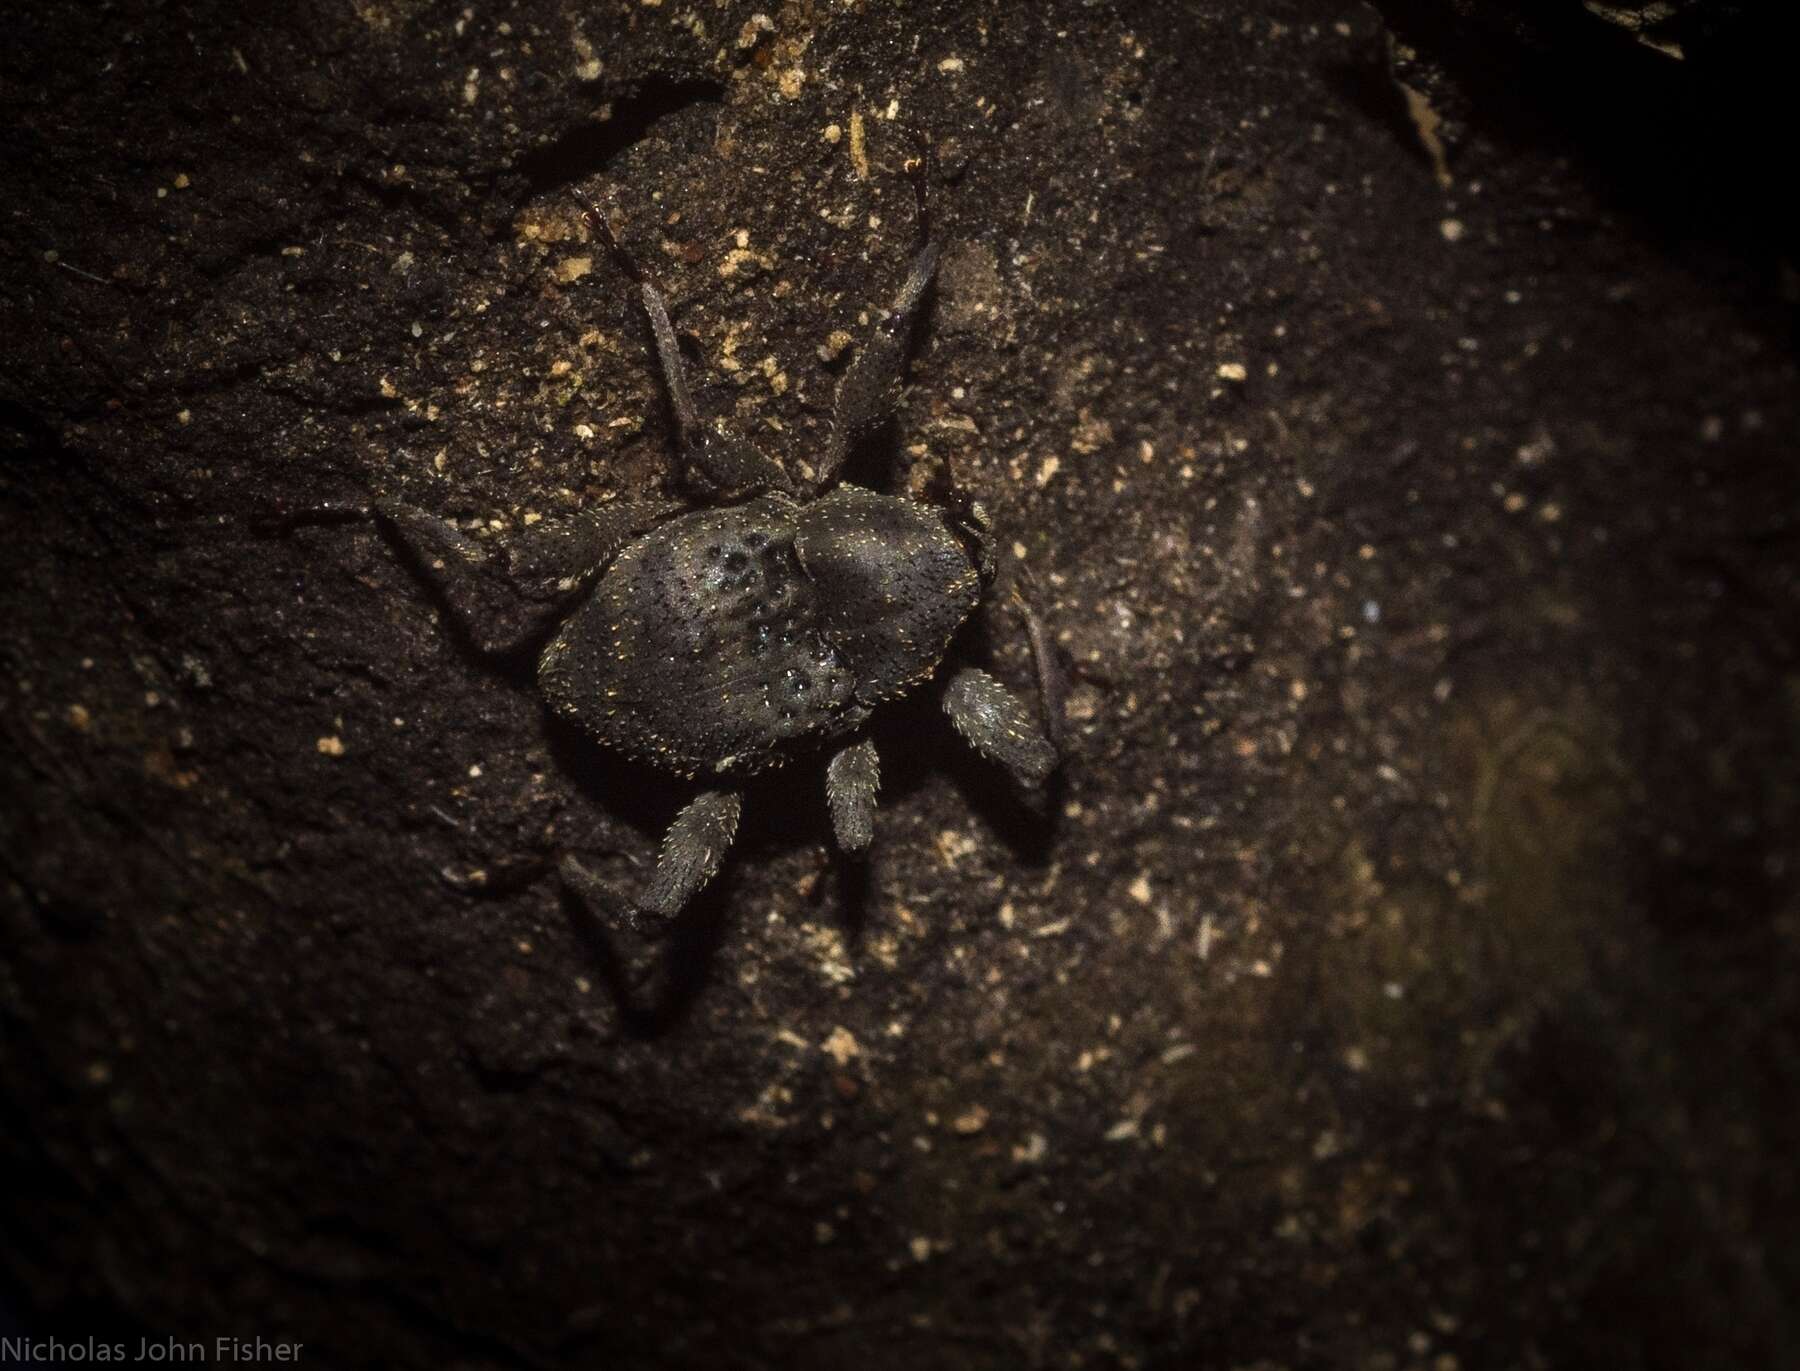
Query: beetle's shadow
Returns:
{"type": "Point", "coordinates": [654, 977]}
{"type": "Point", "coordinates": [917, 741]}
{"type": "Point", "coordinates": [654, 973]}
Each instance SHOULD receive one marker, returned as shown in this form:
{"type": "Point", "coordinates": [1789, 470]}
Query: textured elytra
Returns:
{"type": "Point", "coordinates": [727, 638]}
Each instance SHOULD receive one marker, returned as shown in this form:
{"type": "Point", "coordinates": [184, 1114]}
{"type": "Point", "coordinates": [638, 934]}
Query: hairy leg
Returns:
{"type": "Point", "coordinates": [851, 781]}
{"type": "Point", "coordinates": [998, 726]}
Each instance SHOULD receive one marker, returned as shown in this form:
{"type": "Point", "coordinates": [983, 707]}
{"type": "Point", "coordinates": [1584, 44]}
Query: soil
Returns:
{"type": "Point", "coordinates": [1389, 408]}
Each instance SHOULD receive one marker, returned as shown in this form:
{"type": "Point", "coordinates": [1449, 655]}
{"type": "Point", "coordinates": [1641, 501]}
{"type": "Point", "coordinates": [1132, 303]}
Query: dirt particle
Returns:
{"type": "Point", "coordinates": [859, 153]}
{"type": "Point", "coordinates": [970, 1122]}
{"type": "Point", "coordinates": [953, 846]}
{"type": "Point", "coordinates": [331, 746]}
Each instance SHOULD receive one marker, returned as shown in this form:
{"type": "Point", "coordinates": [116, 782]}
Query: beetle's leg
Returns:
{"type": "Point", "coordinates": [714, 464]}
{"type": "Point", "coordinates": [691, 855]}
{"type": "Point", "coordinates": [998, 726]}
{"type": "Point", "coordinates": [505, 595]}
{"type": "Point", "coordinates": [693, 850]}
{"type": "Point", "coordinates": [1051, 683]}
{"type": "Point", "coordinates": [871, 387]}
{"type": "Point", "coordinates": [851, 781]}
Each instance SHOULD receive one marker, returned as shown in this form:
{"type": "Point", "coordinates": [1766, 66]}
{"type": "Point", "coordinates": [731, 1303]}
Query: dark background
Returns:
{"type": "Point", "coordinates": [1395, 404]}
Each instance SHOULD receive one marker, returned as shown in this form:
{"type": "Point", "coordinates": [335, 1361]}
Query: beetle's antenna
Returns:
{"type": "Point", "coordinates": [919, 169]}
{"type": "Point", "coordinates": [1052, 683]}
{"type": "Point", "coordinates": [597, 215]}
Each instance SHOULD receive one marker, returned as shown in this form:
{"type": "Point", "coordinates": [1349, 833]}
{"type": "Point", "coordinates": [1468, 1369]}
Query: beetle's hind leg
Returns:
{"type": "Point", "coordinates": [691, 855]}
{"type": "Point", "coordinates": [1052, 683]}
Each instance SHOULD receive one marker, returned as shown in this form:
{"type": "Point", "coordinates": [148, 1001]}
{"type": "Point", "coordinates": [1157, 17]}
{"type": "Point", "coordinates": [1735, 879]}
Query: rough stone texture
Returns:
{"type": "Point", "coordinates": [1399, 427]}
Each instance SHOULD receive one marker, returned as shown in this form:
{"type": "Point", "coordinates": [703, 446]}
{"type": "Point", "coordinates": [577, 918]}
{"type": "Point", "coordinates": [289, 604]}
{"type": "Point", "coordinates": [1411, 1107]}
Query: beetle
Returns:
{"type": "Point", "coordinates": [771, 621]}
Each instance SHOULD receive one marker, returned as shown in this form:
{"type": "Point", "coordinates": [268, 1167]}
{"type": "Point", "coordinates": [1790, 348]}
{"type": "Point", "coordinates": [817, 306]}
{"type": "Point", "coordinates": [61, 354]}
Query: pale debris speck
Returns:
{"type": "Point", "coordinates": [331, 746]}
{"type": "Point", "coordinates": [754, 28]}
{"type": "Point", "coordinates": [1048, 469]}
{"type": "Point", "coordinates": [1233, 371]}
{"type": "Point", "coordinates": [841, 1046]}
{"type": "Point", "coordinates": [950, 65]}
{"type": "Point", "coordinates": [921, 1248]}
{"type": "Point", "coordinates": [572, 269]}
{"type": "Point", "coordinates": [859, 155]}
{"type": "Point", "coordinates": [970, 1121]}
{"type": "Point", "coordinates": [1033, 1149]}
{"type": "Point", "coordinates": [1139, 889]}
{"type": "Point", "coordinates": [1452, 229]}
{"type": "Point", "coordinates": [953, 846]}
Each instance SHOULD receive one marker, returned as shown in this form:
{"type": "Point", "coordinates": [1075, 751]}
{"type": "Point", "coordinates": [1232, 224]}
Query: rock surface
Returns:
{"type": "Point", "coordinates": [1395, 413]}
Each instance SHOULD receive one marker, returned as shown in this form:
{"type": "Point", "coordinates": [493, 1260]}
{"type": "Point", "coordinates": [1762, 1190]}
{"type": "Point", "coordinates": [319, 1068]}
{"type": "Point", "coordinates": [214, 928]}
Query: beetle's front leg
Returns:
{"type": "Point", "coordinates": [715, 465]}
{"type": "Point", "coordinates": [871, 387]}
